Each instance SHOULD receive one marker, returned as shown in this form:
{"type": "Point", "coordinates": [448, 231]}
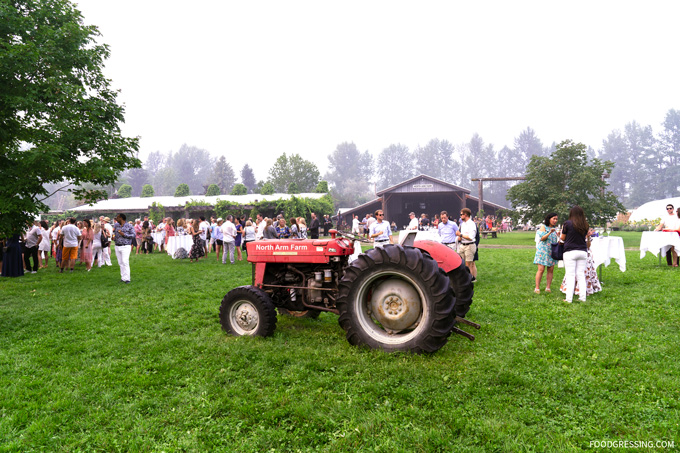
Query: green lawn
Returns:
{"type": "Point", "coordinates": [90, 364]}
{"type": "Point", "coordinates": [631, 239]}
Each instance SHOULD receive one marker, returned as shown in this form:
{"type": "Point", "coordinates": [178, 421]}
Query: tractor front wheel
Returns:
{"type": "Point", "coordinates": [397, 299]}
{"type": "Point", "coordinates": [248, 310]}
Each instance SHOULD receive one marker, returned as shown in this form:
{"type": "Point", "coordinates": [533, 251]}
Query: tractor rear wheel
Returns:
{"type": "Point", "coordinates": [312, 314]}
{"type": "Point", "coordinates": [397, 299]}
{"type": "Point", "coordinates": [248, 310]}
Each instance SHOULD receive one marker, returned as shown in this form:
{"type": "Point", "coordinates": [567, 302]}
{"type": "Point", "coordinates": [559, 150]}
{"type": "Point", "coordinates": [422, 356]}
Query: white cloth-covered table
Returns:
{"type": "Point", "coordinates": [606, 248]}
{"type": "Point", "coordinates": [176, 242]}
{"type": "Point", "coordinates": [427, 235]}
{"type": "Point", "coordinates": [158, 237]}
{"type": "Point", "coordinates": [658, 242]}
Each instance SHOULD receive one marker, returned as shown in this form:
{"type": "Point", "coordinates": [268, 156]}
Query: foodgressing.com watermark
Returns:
{"type": "Point", "coordinates": [663, 444]}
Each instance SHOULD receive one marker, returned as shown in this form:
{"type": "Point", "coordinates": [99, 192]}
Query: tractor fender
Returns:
{"type": "Point", "coordinates": [446, 258]}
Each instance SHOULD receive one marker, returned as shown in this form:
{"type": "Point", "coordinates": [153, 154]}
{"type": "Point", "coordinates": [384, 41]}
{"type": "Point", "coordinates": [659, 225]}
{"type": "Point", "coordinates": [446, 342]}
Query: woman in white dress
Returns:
{"type": "Point", "coordinates": [97, 252]}
{"type": "Point", "coordinates": [44, 246]}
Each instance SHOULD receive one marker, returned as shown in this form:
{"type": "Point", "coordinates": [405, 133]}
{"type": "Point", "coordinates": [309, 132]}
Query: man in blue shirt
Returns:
{"type": "Point", "coordinates": [380, 230]}
{"type": "Point", "coordinates": [447, 230]}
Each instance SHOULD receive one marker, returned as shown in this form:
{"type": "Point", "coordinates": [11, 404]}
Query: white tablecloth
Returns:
{"type": "Point", "coordinates": [606, 248]}
{"type": "Point", "coordinates": [658, 241]}
{"type": "Point", "coordinates": [175, 242]}
{"type": "Point", "coordinates": [428, 235]}
{"type": "Point", "coordinates": [159, 237]}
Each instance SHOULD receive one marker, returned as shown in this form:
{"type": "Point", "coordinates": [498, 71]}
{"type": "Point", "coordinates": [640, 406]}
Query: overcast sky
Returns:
{"type": "Point", "coordinates": [252, 80]}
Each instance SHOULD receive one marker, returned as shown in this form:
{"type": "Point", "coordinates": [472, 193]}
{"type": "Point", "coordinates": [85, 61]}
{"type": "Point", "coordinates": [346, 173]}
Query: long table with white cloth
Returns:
{"type": "Point", "coordinates": [658, 242]}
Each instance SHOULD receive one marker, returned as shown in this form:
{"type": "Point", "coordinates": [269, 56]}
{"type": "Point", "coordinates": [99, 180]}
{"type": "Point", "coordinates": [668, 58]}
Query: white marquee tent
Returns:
{"type": "Point", "coordinates": [653, 210]}
{"type": "Point", "coordinates": [136, 204]}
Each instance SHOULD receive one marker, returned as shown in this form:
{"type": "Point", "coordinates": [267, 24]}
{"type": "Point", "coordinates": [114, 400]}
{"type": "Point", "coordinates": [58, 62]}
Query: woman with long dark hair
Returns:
{"type": "Point", "coordinates": [86, 244]}
{"type": "Point", "coordinates": [546, 235]}
{"type": "Point", "coordinates": [574, 232]}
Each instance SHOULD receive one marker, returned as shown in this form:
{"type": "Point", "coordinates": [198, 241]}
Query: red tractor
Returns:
{"type": "Point", "coordinates": [406, 297]}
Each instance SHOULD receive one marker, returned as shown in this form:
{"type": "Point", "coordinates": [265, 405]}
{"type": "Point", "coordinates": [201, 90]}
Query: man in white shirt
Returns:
{"type": "Point", "coordinates": [228, 239]}
{"type": "Point", "coordinates": [160, 229]}
{"type": "Point", "coordinates": [69, 253]}
{"type": "Point", "coordinates": [370, 220]}
{"type": "Point", "coordinates": [467, 235]}
{"type": "Point", "coordinates": [380, 230]}
{"type": "Point", "coordinates": [261, 226]}
{"type": "Point", "coordinates": [355, 224]}
{"type": "Point", "coordinates": [33, 238]}
{"type": "Point", "coordinates": [670, 222]}
{"type": "Point", "coordinates": [203, 228]}
{"type": "Point", "coordinates": [413, 224]}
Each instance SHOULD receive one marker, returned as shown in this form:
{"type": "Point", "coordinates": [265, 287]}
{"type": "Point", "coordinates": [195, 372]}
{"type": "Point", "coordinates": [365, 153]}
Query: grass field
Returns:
{"type": "Point", "coordinates": [90, 364]}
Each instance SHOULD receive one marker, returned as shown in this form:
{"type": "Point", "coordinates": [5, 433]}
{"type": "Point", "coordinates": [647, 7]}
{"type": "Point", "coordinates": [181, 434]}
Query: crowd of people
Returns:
{"type": "Point", "coordinates": [88, 241]}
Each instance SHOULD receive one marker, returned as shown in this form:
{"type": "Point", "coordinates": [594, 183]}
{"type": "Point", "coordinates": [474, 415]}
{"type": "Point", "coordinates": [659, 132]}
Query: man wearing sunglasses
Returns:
{"type": "Point", "coordinates": [380, 230]}
{"type": "Point", "coordinates": [670, 222]}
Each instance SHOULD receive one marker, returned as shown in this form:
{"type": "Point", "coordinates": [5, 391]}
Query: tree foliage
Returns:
{"type": "Point", "coordinates": [248, 178]}
{"type": "Point", "coordinates": [59, 117]}
{"type": "Point", "coordinates": [125, 191]}
{"type": "Point", "coordinates": [239, 189]}
{"type": "Point", "coordinates": [394, 165]}
{"type": "Point", "coordinates": [293, 188]}
{"type": "Point", "coordinates": [183, 190]}
{"type": "Point", "coordinates": [147, 191]}
{"type": "Point", "coordinates": [223, 175]}
{"type": "Point", "coordinates": [564, 179]}
{"type": "Point", "coordinates": [213, 190]}
{"type": "Point", "coordinates": [437, 159]}
{"type": "Point", "coordinates": [293, 169]}
{"type": "Point", "coordinates": [156, 212]}
{"type": "Point", "coordinates": [349, 174]}
{"type": "Point", "coordinates": [267, 188]}
{"type": "Point", "coordinates": [322, 187]}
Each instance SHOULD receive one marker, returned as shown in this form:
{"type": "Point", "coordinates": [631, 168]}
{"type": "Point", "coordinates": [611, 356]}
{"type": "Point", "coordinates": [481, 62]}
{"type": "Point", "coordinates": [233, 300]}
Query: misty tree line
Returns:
{"type": "Point", "coordinates": [647, 167]}
{"type": "Point", "coordinates": [646, 164]}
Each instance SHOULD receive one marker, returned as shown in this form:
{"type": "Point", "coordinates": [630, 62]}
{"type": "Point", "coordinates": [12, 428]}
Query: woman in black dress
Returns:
{"type": "Point", "coordinates": [198, 249]}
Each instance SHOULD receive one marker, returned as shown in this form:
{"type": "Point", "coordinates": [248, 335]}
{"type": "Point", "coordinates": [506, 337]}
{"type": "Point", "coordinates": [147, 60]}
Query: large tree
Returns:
{"type": "Point", "coordinates": [223, 175]}
{"type": "Point", "coordinates": [349, 174]}
{"type": "Point", "coordinates": [394, 165]}
{"type": "Point", "coordinates": [669, 150]}
{"type": "Point", "coordinates": [248, 177]}
{"type": "Point", "coordinates": [193, 166]}
{"type": "Point", "coordinates": [59, 118]}
{"type": "Point", "coordinates": [638, 164]}
{"type": "Point", "coordinates": [438, 159]}
{"type": "Point", "coordinates": [565, 179]}
{"type": "Point", "coordinates": [478, 161]}
{"type": "Point", "coordinates": [286, 169]}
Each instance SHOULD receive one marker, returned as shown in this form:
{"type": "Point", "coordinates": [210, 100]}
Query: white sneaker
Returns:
{"type": "Point", "coordinates": [34, 272]}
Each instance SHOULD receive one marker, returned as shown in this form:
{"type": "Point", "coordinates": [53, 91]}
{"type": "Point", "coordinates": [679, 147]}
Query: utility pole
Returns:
{"type": "Point", "coordinates": [481, 189]}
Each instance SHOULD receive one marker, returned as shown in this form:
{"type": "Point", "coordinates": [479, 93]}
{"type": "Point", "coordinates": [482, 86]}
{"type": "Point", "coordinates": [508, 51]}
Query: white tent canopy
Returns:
{"type": "Point", "coordinates": [138, 204]}
{"type": "Point", "coordinates": [653, 210]}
